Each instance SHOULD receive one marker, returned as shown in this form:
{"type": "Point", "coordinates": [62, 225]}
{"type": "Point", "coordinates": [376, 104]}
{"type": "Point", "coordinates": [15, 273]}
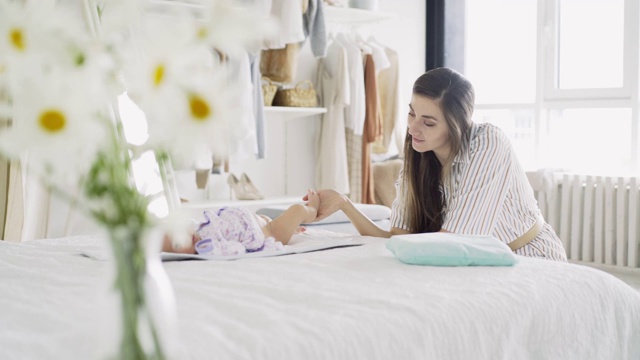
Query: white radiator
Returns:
{"type": "Point", "coordinates": [596, 217]}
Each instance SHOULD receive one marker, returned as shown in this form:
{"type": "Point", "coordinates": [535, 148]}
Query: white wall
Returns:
{"type": "Point", "coordinates": [289, 168]}
{"type": "Point", "coordinates": [405, 33]}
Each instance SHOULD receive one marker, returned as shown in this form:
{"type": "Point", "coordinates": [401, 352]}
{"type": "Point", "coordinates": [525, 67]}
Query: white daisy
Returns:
{"type": "Point", "coordinates": [233, 29]}
{"type": "Point", "coordinates": [5, 102]}
{"type": "Point", "coordinates": [38, 29]}
{"type": "Point", "coordinates": [54, 119]}
{"type": "Point", "coordinates": [19, 28]}
{"type": "Point", "coordinates": [117, 17]}
{"type": "Point", "coordinates": [156, 56]}
{"type": "Point", "coordinates": [197, 120]}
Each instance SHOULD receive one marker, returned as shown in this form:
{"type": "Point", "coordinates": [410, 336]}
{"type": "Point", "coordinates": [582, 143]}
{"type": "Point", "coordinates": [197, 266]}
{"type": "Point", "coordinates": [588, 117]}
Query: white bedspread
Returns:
{"type": "Point", "coordinates": [347, 303]}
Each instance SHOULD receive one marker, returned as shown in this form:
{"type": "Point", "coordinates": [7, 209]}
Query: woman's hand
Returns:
{"type": "Point", "coordinates": [330, 202]}
{"type": "Point", "coordinates": [313, 203]}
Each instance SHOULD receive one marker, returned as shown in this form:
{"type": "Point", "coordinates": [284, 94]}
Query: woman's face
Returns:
{"type": "Point", "coordinates": [427, 126]}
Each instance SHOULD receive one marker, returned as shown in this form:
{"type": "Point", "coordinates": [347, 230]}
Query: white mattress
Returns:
{"type": "Point", "coordinates": [348, 303]}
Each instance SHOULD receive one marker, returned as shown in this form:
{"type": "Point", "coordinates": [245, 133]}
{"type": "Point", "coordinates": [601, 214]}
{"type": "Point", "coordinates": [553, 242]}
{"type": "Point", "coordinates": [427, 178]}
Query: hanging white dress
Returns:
{"type": "Point", "coordinates": [354, 115]}
{"type": "Point", "coordinates": [333, 87]}
{"type": "Point", "coordinates": [243, 128]}
{"type": "Point", "coordinates": [288, 17]}
{"type": "Point", "coordinates": [354, 118]}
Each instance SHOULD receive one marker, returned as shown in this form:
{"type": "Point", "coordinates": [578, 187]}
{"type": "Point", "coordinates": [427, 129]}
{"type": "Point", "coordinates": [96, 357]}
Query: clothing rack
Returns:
{"type": "Point", "coordinates": [351, 20]}
{"type": "Point", "coordinates": [342, 16]}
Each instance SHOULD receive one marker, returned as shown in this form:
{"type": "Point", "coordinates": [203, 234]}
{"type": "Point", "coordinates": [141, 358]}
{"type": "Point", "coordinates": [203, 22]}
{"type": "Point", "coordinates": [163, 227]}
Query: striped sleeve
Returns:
{"type": "Point", "coordinates": [482, 187]}
{"type": "Point", "coordinates": [398, 206]}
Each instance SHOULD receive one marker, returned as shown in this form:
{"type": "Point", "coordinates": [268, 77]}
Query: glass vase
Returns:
{"type": "Point", "coordinates": [142, 308]}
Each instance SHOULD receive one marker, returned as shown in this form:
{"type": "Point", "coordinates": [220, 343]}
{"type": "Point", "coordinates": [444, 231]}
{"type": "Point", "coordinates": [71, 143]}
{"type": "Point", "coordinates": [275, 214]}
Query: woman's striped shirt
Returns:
{"type": "Point", "coordinates": [488, 194]}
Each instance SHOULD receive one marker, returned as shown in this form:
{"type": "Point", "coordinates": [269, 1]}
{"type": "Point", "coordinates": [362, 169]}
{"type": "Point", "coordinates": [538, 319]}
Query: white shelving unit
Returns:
{"type": "Point", "coordinates": [297, 144]}
{"type": "Point", "coordinates": [282, 176]}
{"type": "Point", "coordinates": [289, 165]}
{"type": "Point", "coordinates": [289, 113]}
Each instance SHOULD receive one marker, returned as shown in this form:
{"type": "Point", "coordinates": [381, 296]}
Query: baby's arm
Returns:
{"type": "Point", "coordinates": [284, 226]}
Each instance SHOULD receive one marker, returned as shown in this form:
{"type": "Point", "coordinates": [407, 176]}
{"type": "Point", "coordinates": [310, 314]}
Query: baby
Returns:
{"type": "Point", "coordinates": [236, 230]}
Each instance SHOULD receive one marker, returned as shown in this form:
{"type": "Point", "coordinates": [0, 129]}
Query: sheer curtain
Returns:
{"type": "Point", "coordinates": [11, 208]}
{"type": "Point", "coordinates": [26, 213]}
{"type": "Point", "coordinates": [12, 202]}
{"type": "Point", "coordinates": [4, 193]}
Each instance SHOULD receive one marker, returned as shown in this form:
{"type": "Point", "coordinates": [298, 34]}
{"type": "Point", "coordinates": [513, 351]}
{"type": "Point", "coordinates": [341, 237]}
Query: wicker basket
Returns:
{"type": "Point", "coordinates": [302, 95]}
{"type": "Point", "coordinates": [280, 64]}
{"type": "Point", "coordinates": [268, 91]}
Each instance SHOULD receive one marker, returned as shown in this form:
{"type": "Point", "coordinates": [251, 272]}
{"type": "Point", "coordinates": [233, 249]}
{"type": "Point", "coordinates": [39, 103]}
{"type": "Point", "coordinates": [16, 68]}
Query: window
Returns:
{"type": "Point", "coordinates": [584, 45]}
{"type": "Point", "coordinates": [588, 139]}
{"type": "Point", "coordinates": [144, 167]}
{"type": "Point", "coordinates": [561, 78]}
{"type": "Point", "coordinates": [501, 50]}
{"type": "Point", "coordinates": [518, 124]}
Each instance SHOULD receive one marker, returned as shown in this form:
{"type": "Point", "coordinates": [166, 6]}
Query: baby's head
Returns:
{"type": "Point", "coordinates": [168, 245]}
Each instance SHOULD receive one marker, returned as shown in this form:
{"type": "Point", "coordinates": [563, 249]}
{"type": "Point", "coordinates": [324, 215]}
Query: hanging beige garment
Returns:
{"type": "Point", "coordinates": [388, 93]}
{"type": "Point", "coordinates": [11, 196]}
{"type": "Point", "coordinates": [4, 191]}
{"type": "Point", "coordinates": [333, 86]}
{"type": "Point", "coordinates": [14, 217]}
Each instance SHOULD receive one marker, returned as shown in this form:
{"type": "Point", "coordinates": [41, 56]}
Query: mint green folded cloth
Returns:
{"type": "Point", "coordinates": [447, 249]}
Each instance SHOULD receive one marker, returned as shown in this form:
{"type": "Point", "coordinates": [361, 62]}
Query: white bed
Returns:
{"type": "Point", "coordinates": [347, 303]}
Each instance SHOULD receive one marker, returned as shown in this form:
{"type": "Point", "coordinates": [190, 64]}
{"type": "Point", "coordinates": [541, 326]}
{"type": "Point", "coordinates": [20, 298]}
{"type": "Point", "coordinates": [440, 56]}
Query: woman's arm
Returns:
{"type": "Point", "coordinates": [332, 201]}
{"type": "Point", "coordinates": [364, 225]}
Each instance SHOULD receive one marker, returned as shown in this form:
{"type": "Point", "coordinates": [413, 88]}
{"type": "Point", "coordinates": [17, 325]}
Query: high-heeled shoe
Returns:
{"type": "Point", "coordinates": [240, 190]}
{"type": "Point", "coordinates": [202, 178]}
{"type": "Point", "coordinates": [244, 178]}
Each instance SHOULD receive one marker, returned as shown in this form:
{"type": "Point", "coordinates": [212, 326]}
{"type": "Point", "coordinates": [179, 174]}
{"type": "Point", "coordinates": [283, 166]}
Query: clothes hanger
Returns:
{"type": "Point", "coordinates": [366, 48]}
{"type": "Point", "coordinates": [372, 39]}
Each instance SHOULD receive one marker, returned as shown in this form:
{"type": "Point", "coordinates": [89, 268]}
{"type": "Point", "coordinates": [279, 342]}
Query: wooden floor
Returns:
{"type": "Point", "coordinates": [633, 280]}
{"type": "Point", "coordinates": [629, 275]}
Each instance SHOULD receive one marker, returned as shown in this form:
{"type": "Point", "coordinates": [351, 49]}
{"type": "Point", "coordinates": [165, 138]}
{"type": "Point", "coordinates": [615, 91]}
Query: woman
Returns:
{"type": "Point", "coordinates": [457, 176]}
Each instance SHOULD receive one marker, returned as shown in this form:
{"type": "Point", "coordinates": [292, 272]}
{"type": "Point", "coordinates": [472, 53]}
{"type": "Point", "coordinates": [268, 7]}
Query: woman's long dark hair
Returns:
{"type": "Point", "coordinates": [423, 174]}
